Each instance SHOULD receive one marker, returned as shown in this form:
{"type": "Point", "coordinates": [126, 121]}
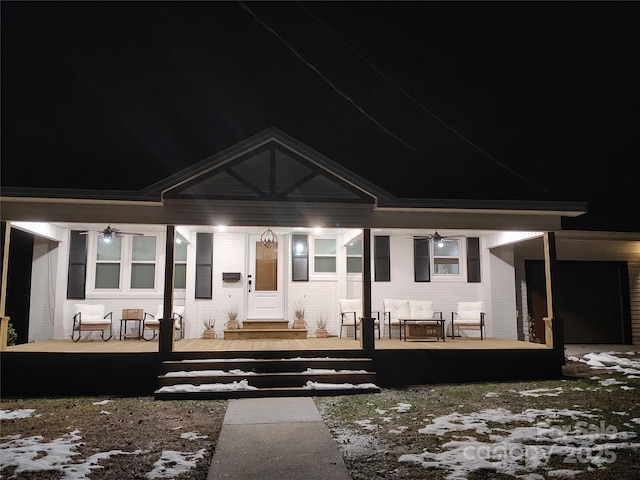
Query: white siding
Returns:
{"type": "Point", "coordinates": [503, 294]}
{"type": "Point", "coordinates": [445, 295]}
{"type": "Point", "coordinates": [43, 290]}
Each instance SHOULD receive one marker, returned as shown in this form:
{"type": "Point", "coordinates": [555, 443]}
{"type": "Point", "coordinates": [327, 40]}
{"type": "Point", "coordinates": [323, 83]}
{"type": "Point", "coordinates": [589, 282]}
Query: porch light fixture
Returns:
{"type": "Point", "coordinates": [269, 238]}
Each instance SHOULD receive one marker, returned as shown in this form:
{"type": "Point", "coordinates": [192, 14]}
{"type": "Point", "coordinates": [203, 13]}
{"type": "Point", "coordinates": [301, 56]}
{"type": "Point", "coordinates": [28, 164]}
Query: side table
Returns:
{"type": "Point", "coordinates": [134, 315]}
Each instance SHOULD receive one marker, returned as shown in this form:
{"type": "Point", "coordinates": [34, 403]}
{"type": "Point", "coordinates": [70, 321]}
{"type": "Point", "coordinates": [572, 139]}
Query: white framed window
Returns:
{"type": "Point", "coordinates": [447, 259]}
{"type": "Point", "coordinates": [180, 272]}
{"type": "Point", "coordinates": [324, 255]}
{"type": "Point", "coordinates": [108, 260]}
{"type": "Point", "coordinates": [143, 262]}
{"type": "Point", "coordinates": [126, 264]}
{"type": "Point", "coordinates": [354, 256]}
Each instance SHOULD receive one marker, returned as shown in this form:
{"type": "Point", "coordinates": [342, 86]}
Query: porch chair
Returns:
{"type": "Point", "coordinates": [351, 313]}
{"type": "Point", "coordinates": [152, 322]}
{"type": "Point", "coordinates": [393, 311]}
{"type": "Point", "coordinates": [470, 315]}
{"type": "Point", "coordinates": [91, 318]}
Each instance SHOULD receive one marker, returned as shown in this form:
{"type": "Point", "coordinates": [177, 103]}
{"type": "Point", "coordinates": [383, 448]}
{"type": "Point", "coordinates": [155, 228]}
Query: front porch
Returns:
{"type": "Point", "coordinates": [132, 367]}
{"type": "Point", "coordinates": [252, 345]}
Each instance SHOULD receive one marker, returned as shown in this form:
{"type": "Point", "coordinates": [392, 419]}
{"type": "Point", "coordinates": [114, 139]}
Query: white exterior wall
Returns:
{"type": "Point", "coordinates": [503, 294]}
{"type": "Point", "coordinates": [319, 295]}
{"type": "Point", "coordinates": [444, 294]}
{"type": "Point", "coordinates": [43, 290]}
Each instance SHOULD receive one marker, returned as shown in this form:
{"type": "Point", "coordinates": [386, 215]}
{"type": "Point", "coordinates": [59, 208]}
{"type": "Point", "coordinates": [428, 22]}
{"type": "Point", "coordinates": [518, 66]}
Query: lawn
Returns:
{"type": "Point", "coordinates": [582, 426]}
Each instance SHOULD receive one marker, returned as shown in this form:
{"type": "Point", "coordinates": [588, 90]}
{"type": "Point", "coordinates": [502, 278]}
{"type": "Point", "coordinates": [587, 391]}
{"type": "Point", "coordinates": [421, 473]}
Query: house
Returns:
{"type": "Point", "coordinates": [332, 227]}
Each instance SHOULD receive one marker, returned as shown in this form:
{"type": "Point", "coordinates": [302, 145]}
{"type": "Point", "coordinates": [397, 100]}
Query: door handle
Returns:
{"type": "Point", "coordinates": [249, 282]}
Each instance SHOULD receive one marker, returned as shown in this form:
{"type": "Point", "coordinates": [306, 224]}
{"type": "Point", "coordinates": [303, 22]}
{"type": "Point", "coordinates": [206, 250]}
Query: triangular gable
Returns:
{"type": "Point", "coordinates": [273, 169]}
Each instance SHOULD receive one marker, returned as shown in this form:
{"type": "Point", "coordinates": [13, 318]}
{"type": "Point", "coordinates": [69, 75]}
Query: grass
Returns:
{"type": "Point", "coordinates": [374, 432]}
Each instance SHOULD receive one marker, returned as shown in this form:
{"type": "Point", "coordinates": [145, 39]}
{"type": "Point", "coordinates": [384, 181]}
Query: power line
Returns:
{"type": "Point", "coordinates": [425, 109]}
{"type": "Point", "coordinates": [321, 75]}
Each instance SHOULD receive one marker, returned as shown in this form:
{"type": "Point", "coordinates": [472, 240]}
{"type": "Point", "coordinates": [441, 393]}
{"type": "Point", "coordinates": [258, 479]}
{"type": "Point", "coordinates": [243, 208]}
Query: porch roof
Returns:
{"type": "Point", "coordinates": [271, 178]}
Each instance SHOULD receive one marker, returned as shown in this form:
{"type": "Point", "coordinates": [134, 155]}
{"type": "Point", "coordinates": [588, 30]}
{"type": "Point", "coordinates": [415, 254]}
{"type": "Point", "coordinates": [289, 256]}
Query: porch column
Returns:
{"type": "Point", "coordinates": [367, 337]}
{"type": "Point", "coordinates": [4, 321]}
{"type": "Point", "coordinates": [554, 334]}
{"type": "Point", "coordinates": [167, 334]}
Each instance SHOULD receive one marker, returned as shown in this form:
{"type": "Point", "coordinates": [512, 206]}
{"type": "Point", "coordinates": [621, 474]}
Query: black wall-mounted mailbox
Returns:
{"type": "Point", "coordinates": [230, 277]}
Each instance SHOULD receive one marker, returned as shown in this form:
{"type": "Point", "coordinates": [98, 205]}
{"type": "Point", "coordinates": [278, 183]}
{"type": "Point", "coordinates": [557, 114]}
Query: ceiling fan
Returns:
{"type": "Point", "coordinates": [109, 233]}
{"type": "Point", "coordinates": [438, 239]}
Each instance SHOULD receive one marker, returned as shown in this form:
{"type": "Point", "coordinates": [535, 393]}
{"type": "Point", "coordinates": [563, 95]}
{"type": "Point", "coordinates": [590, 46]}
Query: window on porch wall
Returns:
{"type": "Point", "coordinates": [108, 259]}
{"type": "Point", "coordinates": [143, 262]}
{"type": "Point", "coordinates": [354, 257]}
{"type": "Point", "coordinates": [446, 258]}
{"type": "Point", "coordinates": [324, 255]}
{"type": "Point", "coordinates": [180, 272]}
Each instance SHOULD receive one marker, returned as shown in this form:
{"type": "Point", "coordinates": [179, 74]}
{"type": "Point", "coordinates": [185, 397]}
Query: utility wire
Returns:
{"type": "Point", "coordinates": [333, 86]}
{"type": "Point", "coordinates": [419, 104]}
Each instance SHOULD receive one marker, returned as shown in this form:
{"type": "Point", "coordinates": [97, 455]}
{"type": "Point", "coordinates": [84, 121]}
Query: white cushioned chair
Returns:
{"type": "Point", "coordinates": [91, 318]}
{"type": "Point", "coordinates": [351, 313]}
{"type": "Point", "coordinates": [470, 315]}
{"type": "Point", "coordinates": [396, 310]}
{"type": "Point", "coordinates": [152, 322]}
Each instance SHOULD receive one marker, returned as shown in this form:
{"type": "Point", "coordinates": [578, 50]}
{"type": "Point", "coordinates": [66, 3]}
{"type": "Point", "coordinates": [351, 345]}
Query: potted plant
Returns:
{"type": "Point", "coordinates": [209, 328]}
{"type": "Point", "coordinates": [321, 331]}
{"type": "Point", "coordinates": [299, 322]}
{"type": "Point", "coordinates": [232, 319]}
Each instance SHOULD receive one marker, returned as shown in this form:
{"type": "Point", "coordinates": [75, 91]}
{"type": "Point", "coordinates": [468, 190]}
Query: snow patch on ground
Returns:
{"type": "Point", "coordinates": [14, 414]}
{"type": "Point", "coordinates": [519, 450]}
{"type": "Point", "coordinates": [31, 454]}
{"type": "Point", "coordinates": [172, 463]}
{"type": "Point", "coordinates": [542, 392]}
{"type": "Point", "coordinates": [616, 361]}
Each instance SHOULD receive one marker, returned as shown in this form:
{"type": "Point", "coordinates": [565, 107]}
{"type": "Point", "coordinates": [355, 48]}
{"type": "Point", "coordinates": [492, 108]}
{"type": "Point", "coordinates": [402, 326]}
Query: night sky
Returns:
{"type": "Point", "coordinates": [507, 100]}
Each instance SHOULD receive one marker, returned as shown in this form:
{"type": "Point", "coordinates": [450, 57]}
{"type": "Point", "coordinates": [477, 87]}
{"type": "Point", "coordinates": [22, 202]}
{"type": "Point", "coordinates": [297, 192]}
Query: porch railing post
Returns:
{"type": "Point", "coordinates": [167, 334]}
{"type": "Point", "coordinates": [367, 337]}
{"type": "Point", "coordinates": [4, 332]}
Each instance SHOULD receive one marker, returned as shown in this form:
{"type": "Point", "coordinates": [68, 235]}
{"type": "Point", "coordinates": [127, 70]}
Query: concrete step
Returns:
{"type": "Point", "coordinates": [262, 333]}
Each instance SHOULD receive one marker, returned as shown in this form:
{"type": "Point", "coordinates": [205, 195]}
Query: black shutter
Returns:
{"type": "Point", "coordinates": [77, 274]}
{"type": "Point", "coordinates": [300, 258]}
{"type": "Point", "coordinates": [204, 265]}
{"type": "Point", "coordinates": [421, 267]}
{"type": "Point", "coordinates": [473, 260]}
{"type": "Point", "coordinates": [382, 258]}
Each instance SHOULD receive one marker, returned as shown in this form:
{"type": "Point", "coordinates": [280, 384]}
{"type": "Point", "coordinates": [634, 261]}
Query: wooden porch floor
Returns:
{"type": "Point", "coordinates": [331, 343]}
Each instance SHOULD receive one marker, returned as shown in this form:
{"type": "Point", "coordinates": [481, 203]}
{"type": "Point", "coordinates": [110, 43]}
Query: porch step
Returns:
{"type": "Point", "coordinates": [265, 324]}
{"type": "Point", "coordinates": [257, 333]}
{"type": "Point", "coordinates": [273, 377]}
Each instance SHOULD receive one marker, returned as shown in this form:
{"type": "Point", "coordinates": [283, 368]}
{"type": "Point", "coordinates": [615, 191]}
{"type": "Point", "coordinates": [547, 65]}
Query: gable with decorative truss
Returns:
{"type": "Point", "coordinates": [271, 171]}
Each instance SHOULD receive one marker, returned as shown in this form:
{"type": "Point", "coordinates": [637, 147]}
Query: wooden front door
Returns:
{"type": "Point", "coordinates": [265, 292]}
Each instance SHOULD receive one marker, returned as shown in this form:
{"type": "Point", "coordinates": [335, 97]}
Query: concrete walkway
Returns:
{"type": "Point", "coordinates": [276, 438]}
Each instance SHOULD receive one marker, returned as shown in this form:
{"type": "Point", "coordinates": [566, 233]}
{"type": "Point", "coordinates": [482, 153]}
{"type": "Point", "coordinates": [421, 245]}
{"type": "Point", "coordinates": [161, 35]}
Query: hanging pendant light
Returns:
{"type": "Point", "coordinates": [269, 238]}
